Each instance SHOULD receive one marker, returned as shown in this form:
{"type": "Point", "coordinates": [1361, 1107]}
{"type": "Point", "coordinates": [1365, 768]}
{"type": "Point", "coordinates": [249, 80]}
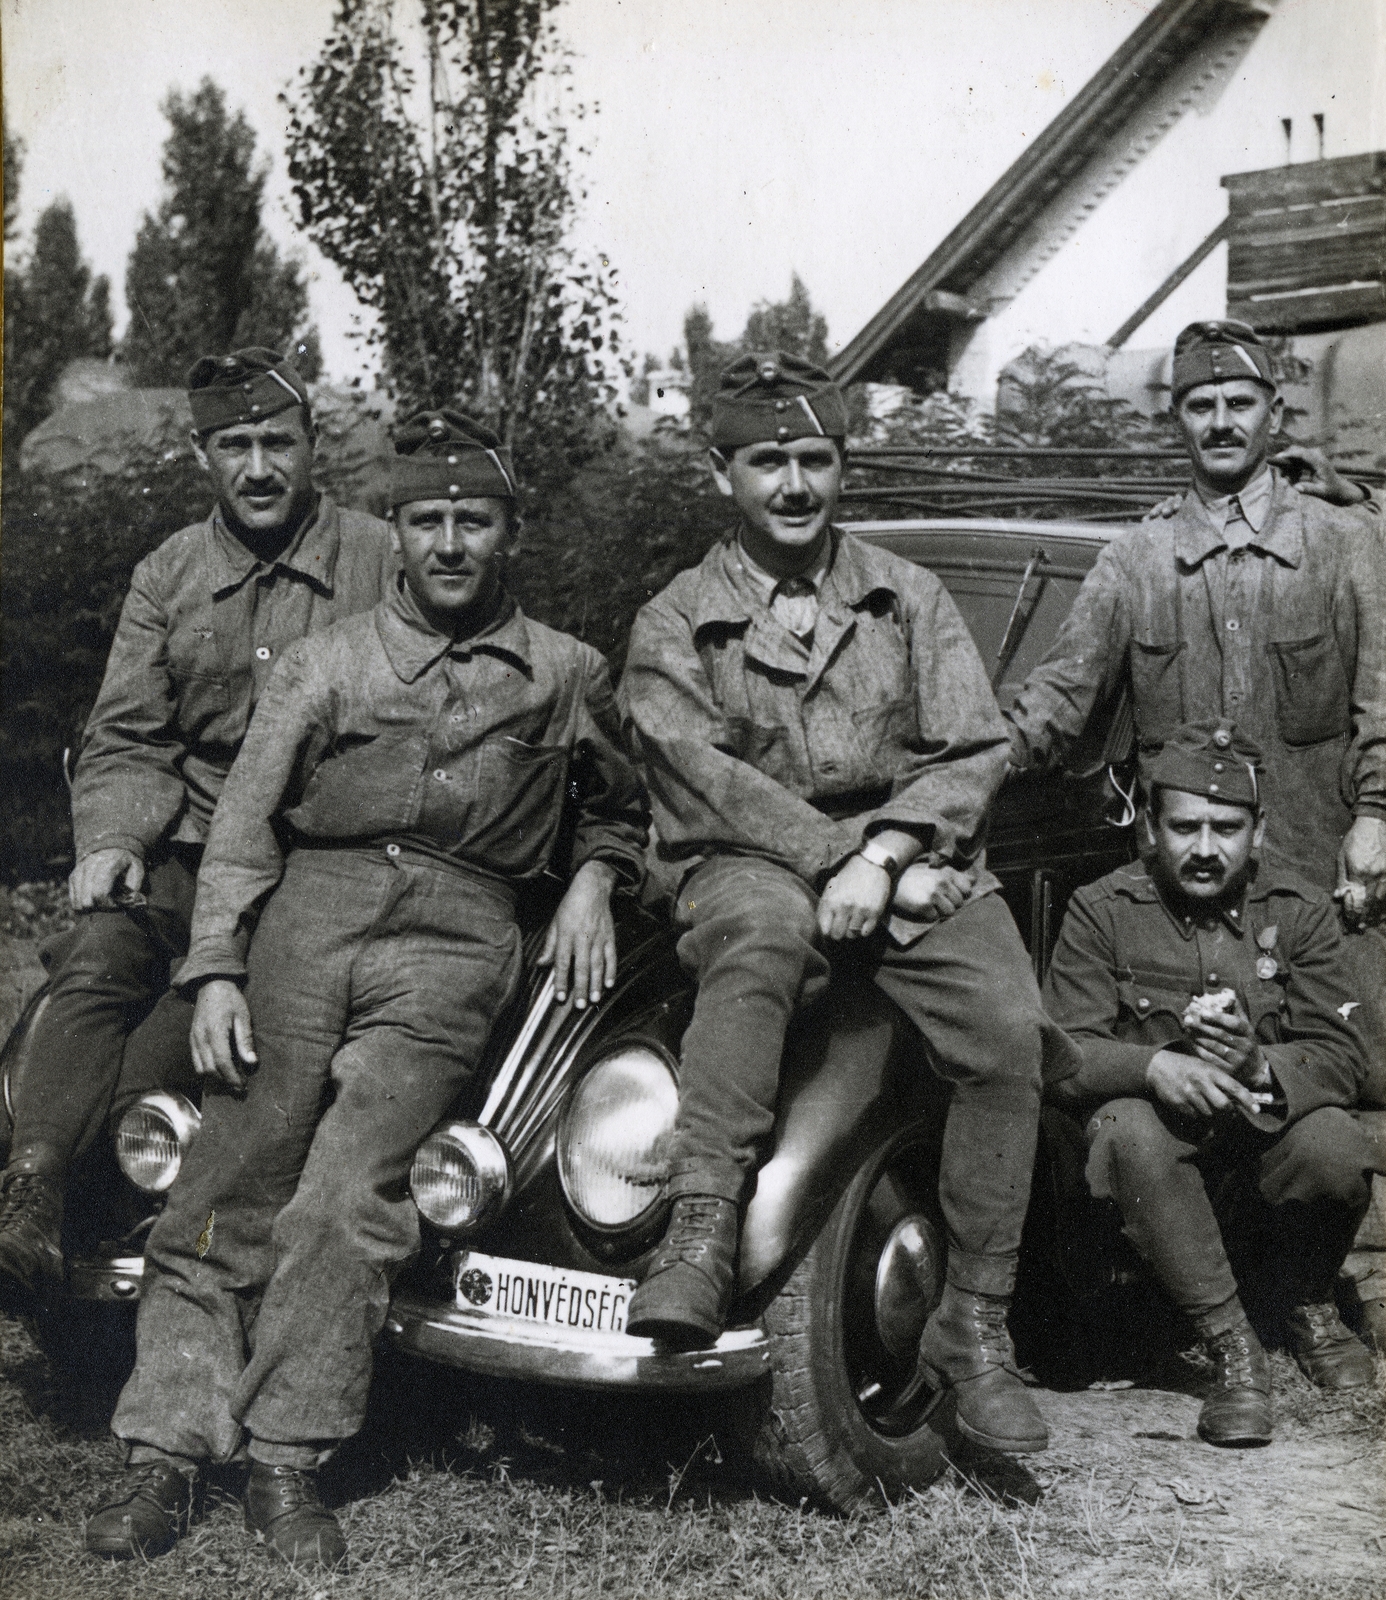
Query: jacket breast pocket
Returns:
{"type": "Point", "coordinates": [1156, 1008]}
{"type": "Point", "coordinates": [1311, 689]}
{"type": "Point", "coordinates": [522, 784]}
{"type": "Point", "coordinates": [1155, 689]}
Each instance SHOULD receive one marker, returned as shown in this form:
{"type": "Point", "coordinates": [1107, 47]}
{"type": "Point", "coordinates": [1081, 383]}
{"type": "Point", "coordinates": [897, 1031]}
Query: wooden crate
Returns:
{"type": "Point", "coordinates": [1307, 244]}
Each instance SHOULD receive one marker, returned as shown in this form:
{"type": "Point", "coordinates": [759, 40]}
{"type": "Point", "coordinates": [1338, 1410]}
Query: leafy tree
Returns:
{"type": "Point", "coordinates": [791, 325]}
{"type": "Point", "coordinates": [429, 150]}
{"type": "Point", "coordinates": [54, 312]}
{"type": "Point", "coordinates": [14, 164]}
{"type": "Point", "coordinates": [203, 277]}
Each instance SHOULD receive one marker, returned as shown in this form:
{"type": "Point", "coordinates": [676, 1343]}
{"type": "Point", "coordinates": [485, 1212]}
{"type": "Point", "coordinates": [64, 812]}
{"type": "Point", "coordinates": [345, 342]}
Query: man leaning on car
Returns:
{"type": "Point", "coordinates": [404, 780]}
{"type": "Point", "coordinates": [821, 746]}
{"type": "Point", "coordinates": [208, 615]}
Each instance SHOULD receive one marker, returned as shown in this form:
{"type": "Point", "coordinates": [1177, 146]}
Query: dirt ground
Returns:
{"type": "Point", "coordinates": [490, 1489]}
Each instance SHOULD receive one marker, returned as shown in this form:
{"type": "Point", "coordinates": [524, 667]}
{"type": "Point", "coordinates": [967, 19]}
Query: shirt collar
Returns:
{"type": "Point", "coordinates": [765, 583]}
{"type": "Point", "coordinates": [1280, 534]}
{"type": "Point", "coordinates": [1254, 499]}
{"type": "Point", "coordinates": [311, 553]}
{"type": "Point", "coordinates": [413, 645]}
{"type": "Point", "coordinates": [1137, 884]}
{"type": "Point", "coordinates": [724, 577]}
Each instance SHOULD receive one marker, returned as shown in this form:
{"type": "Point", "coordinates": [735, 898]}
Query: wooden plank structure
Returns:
{"type": "Point", "coordinates": [1307, 244]}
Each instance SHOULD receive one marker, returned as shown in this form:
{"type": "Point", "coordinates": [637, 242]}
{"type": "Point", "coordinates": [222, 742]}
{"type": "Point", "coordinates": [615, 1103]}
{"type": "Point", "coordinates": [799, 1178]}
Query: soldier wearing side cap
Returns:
{"type": "Point", "coordinates": [1220, 1050]}
{"type": "Point", "coordinates": [821, 747]}
{"type": "Point", "coordinates": [207, 617]}
{"type": "Point", "coordinates": [1257, 604]}
{"type": "Point", "coordinates": [404, 784]}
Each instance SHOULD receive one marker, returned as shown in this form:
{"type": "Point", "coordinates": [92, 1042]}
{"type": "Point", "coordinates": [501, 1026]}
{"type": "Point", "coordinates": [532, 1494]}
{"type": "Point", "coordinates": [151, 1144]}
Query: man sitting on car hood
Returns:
{"type": "Point", "coordinates": [821, 746]}
{"type": "Point", "coordinates": [403, 779]}
{"type": "Point", "coordinates": [1220, 1046]}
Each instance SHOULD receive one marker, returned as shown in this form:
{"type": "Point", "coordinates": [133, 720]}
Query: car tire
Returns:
{"type": "Point", "coordinates": [825, 1428]}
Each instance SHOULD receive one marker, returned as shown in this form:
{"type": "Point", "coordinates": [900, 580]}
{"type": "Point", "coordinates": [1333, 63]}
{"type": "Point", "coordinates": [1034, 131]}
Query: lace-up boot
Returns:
{"type": "Point", "coordinates": [966, 1347]}
{"type": "Point", "coordinates": [146, 1513]}
{"type": "Point", "coordinates": [31, 1229]}
{"type": "Point", "coordinates": [1327, 1353]}
{"type": "Point", "coordinates": [687, 1288]}
{"type": "Point", "coordinates": [283, 1508]}
{"type": "Point", "coordinates": [1237, 1410]}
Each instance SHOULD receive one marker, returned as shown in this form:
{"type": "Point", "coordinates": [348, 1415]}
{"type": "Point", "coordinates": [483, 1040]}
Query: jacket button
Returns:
{"type": "Point", "coordinates": [262, 652]}
{"type": "Point", "coordinates": [1143, 1003]}
{"type": "Point", "coordinates": [440, 774]}
{"type": "Point", "coordinates": [391, 849]}
{"type": "Point", "coordinates": [1212, 977]}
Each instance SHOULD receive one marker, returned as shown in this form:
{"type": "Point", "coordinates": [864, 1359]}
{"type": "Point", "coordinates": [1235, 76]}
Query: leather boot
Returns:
{"type": "Point", "coordinates": [31, 1229]}
{"type": "Point", "coordinates": [966, 1347]}
{"type": "Point", "coordinates": [282, 1507]}
{"type": "Point", "coordinates": [1237, 1410]}
{"type": "Point", "coordinates": [146, 1513]}
{"type": "Point", "coordinates": [1327, 1353]}
{"type": "Point", "coordinates": [682, 1300]}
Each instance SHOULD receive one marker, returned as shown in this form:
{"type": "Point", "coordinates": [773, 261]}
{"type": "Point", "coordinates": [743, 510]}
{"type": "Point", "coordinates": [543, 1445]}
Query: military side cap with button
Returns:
{"type": "Point", "coordinates": [1213, 352]}
{"type": "Point", "coordinates": [773, 396]}
{"type": "Point", "coordinates": [443, 455]}
{"type": "Point", "coordinates": [244, 386]}
{"type": "Point", "coordinates": [1214, 759]}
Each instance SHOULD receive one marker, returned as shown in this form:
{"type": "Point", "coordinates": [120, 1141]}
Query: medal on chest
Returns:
{"type": "Point", "coordinates": [1266, 964]}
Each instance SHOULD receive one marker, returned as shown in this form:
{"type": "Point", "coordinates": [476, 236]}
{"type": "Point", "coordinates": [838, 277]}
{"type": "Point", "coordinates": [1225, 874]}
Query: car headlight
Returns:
{"type": "Point", "coordinates": [614, 1135]}
{"type": "Point", "coordinates": [460, 1177]}
{"type": "Point", "coordinates": [153, 1137]}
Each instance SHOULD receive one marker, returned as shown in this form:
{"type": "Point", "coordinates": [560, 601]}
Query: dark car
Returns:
{"type": "Point", "coordinates": [544, 1204]}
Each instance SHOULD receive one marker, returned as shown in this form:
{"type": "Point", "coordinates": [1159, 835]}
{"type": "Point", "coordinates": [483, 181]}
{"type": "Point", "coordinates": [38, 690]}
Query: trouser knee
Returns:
{"type": "Point", "coordinates": [1326, 1156]}
{"type": "Point", "coordinates": [1129, 1148]}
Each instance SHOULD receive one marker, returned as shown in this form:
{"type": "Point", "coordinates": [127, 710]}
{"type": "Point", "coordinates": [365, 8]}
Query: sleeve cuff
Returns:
{"type": "Point", "coordinates": [114, 841]}
{"type": "Point", "coordinates": [1370, 808]}
{"type": "Point", "coordinates": [210, 961]}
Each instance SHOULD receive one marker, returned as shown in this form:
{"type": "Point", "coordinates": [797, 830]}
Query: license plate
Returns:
{"type": "Point", "coordinates": [552, 1297]}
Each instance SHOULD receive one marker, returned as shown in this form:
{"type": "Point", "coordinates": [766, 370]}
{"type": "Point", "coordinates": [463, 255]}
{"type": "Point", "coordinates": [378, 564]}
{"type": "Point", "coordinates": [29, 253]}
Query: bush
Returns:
{"type": "Point", "coordinates": [68, 555]}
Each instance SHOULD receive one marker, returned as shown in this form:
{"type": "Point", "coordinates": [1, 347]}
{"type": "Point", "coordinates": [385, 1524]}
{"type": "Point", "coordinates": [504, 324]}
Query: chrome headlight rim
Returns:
{"type": "Point", "coordinates": [635, 1231]}
{"type": "Point", "coordinates": [489, 1160]}
{"type": "Point", "coordinates": [180, 1116]}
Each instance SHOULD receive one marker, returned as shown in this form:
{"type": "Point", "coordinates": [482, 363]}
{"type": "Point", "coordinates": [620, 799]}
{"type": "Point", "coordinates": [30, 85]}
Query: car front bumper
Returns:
{"type": "Point", "coordinates": [504, 1347]}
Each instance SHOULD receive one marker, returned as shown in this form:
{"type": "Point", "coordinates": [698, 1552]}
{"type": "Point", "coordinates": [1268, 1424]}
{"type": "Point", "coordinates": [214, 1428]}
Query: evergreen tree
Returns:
{"type": "Point", "coordinates": [54, 312]}
{"type": "Point", "coordinates": [791, 325]}
{"type": "Point", "coordinates": [203, 277]}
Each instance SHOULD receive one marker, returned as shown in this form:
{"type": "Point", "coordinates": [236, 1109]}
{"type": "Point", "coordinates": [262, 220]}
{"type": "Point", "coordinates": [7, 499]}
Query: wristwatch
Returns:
{"type": "Point", "coordinates": [877, 854]}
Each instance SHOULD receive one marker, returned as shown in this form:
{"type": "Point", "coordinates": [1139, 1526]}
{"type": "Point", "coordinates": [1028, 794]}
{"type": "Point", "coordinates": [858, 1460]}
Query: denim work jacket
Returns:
{"type": "Point", "coordinates": [202, 628]}
{"type": "Point", "coordinates": [751, 745]}
{"type": "Point", "coordinates": [1301, 668]}
{"type": "Point", "coordinates": [381, 729]}
{"type": "Point", "coordinates": [1126, 965]}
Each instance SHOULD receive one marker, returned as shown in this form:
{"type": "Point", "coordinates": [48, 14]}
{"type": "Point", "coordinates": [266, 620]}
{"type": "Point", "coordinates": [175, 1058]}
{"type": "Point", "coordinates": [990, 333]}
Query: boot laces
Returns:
{"type": "Point", "coordinates": [1321, 1321]}
{"type": "Point", "coordinates": [23, 1199]}
{"type": "Point", "coordinates": [1232, 1353]}
{"type": "Point", "coordinates": [296, 1490]}
{"type": "Point", "coordinates": [695, 1224]}
{"type": "Point", "coordinates": [993, 1336]}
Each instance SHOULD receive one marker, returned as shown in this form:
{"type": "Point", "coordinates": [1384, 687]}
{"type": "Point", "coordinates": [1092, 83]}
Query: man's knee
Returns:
{"type": "Point", "coordinates": [1129, 1147]}
{"type": "Point", "coordinates": [1324, 1156]}
{"type": "Point", "coordinates": [107, 951]}
{"type": "Point", "coordinates": [757, 913]}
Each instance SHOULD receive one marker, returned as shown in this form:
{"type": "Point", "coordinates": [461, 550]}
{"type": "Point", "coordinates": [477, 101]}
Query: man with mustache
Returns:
{"type": "Point", "coordinates": [402, 788]}
{"type": "Point", "coordinates": [1254, 604]}
{"type": "Point", "coordinates": [1220, 1048]}
{"type": "Point", "coordinates": [208, 616]}
{"type": "Point", "coordinates": [821, 747]}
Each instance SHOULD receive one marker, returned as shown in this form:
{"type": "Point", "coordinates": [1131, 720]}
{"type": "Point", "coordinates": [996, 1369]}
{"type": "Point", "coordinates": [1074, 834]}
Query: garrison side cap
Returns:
{"type": "Point", "coordinates": [244, 386]}
{"type": "Point", "coordinates": [1213, 352]}
{"type": "Point", "coordinates": [444, 455]}
{"type": "Point", "coordinates": [769, 395]}
{"type": "Point", "coordinates": [1213, 759]}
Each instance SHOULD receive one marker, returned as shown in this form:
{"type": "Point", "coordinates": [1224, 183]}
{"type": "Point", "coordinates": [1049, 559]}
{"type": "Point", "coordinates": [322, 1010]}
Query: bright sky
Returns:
{"type": "Point", "coordinates": [736, 140]}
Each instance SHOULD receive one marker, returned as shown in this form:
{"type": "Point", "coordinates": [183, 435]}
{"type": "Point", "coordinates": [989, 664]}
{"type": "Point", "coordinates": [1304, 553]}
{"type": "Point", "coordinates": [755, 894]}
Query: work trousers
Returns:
{"type": "Point", "coordinates": [111, 1029]}
{"type": "Point", "coordinates": [751, 940]}
{"type": "Point", "coordinates": [374, 981]}
{"type": "Point", "coordinates": [1205, 1205]}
